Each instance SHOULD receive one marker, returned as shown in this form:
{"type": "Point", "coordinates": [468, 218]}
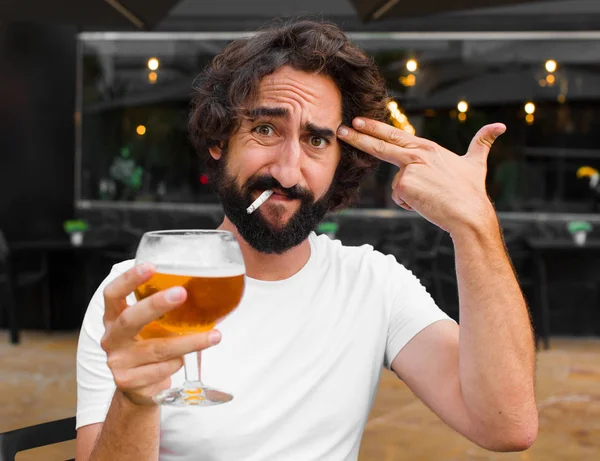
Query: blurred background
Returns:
{"type": "Point", "coordinates": [94, 100]}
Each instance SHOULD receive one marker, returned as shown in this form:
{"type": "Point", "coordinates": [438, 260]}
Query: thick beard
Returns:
{"type": "Point", "coordinates": [254, 228]}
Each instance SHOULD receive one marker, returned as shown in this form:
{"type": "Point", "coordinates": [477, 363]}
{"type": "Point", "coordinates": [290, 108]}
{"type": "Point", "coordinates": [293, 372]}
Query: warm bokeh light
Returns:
{"type": "Point", "coordinates": [153, 63]}
{"type": "Point", "coordinates": [412, 65]}
{"type": "Point", "coordinates": [551, 65]}
{"type": "Point", "coordinates": [561, 98]}
{"type": "Point", "coordinates": [542, 82]}
{"type": "Point", "coordinates": [409, 80]}
{"type": "Point", "coordinates": [529, 108]}
{"type": "Point", "coordinates": [462, 117]}
{"type": "Point", "coordinates": [529, 118]}
{"type": "Point", "coordinates": [550, 79]}
{"type": "Point", "coordinates": [462, 106]}
{"type": "Point", "coordinates": [141, 130]}
{"type": "Point", "coordinates": [399, 119]}
{"type": "Point", "coordinates": [152, 77]}
{"type": "Point", "coordinates": [586, 171]}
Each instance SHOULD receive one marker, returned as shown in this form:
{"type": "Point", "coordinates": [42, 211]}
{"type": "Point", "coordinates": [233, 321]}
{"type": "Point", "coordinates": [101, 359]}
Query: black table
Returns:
{"type": "Point", "coordinates": [60, 244]}
{"type": "Point", "coordinates": [541, 249]}
{"type": "Point", "coordinates": [86, 259]}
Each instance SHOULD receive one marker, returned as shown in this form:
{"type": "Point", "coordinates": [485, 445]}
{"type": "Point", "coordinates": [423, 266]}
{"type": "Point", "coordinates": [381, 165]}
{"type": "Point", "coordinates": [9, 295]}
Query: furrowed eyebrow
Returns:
{"type": "Point", "coordinates": [262, 111]}
{"type": "Point", "coordinates": [324, 133]}
{"type": "Point", "coordinates": [281, 112]}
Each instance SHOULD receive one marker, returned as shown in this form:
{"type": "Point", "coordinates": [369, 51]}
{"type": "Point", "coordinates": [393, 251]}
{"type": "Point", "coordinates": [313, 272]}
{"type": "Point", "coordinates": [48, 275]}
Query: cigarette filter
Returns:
{"type": "Point", "coordinates": [259, 201]}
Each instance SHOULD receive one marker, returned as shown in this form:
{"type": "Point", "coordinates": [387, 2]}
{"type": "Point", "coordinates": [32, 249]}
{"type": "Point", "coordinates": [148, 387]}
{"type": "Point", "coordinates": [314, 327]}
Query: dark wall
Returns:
{"type": "Point", "coordinates": [37, 101]}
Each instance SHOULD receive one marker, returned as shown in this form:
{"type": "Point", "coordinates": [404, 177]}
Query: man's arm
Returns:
{"type": "Point", "coordinates": [140, 369]}
{"type": "Point", "coordinates": [483, 384]}
{"type": "Point", "coordinates": [130, 431]}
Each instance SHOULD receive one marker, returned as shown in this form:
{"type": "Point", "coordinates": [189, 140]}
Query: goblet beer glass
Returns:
{"type": "Point", "coordinates": [209, 265]}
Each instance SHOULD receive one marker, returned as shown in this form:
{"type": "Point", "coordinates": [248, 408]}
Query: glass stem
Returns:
{"type": "Point", "coordinates": [192, 366]}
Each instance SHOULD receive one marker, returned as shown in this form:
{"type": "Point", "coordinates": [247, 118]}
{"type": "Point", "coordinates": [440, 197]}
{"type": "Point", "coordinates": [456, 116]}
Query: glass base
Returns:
{"type": "Point", "coordinates": [192, 394]}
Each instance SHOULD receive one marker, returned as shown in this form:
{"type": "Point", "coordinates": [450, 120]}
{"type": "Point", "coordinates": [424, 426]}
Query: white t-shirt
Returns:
{"type": "Point", "coordinates": [302, 357]}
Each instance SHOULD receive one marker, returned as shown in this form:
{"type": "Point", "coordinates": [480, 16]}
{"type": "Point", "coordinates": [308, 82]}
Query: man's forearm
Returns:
{"type": "Point", "coordinates": [496, 348]}
{"type": "Point", "coordinates": [129, 432]}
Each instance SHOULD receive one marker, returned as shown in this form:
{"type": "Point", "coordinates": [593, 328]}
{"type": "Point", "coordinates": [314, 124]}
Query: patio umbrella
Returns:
{"type": "Point", "coordinates": [141, 14]}
{"type": "Point", "coordinates": [370, 10]}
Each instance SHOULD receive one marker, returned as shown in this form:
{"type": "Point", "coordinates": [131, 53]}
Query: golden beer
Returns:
{"type": "Point", "coordinates": [209, 299]}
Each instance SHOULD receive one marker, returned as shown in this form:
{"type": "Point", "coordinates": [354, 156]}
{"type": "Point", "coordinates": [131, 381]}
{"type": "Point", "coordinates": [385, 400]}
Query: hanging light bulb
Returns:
{"type": "Point", "coordinates": [551, 65]}
{"type": "Point", "coordinates": [529, 108]}
{"type": "Point", "coordinates": [412, 65]}
{"type": "Point", "coordinates": [153, 63]}
{"type": "Point", "coordinates": [462, 106]}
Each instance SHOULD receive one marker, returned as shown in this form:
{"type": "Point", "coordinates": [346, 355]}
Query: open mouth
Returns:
{"type": "Point", "coordinates": [278, 195]}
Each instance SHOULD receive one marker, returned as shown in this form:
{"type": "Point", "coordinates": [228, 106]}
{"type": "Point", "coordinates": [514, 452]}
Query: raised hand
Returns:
{"type": "Point", "coordinates": [445, 188]}
{"type": "Point", "coordinates": [142, 368]}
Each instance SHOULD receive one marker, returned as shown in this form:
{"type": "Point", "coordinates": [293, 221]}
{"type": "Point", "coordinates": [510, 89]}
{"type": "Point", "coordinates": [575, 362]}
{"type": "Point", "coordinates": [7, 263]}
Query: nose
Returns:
{"type": "Point", "coordinates": [287, 168]}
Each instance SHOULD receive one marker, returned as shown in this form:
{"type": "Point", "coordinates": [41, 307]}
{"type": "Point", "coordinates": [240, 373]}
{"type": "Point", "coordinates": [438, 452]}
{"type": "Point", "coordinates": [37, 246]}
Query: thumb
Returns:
{"type": "Point", "coordinates": [482, 141]}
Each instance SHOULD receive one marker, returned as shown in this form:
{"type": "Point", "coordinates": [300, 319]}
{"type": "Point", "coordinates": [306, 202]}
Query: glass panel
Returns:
{"type": "Point", "coordinates": [134, 144]}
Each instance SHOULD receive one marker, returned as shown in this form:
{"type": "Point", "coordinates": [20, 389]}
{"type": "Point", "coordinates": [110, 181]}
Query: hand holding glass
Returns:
{"type": "Point", "coordinates": [210, 266]}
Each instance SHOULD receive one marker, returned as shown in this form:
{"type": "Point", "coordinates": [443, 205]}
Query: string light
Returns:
{"type": "Point", "coordinates": [462, 106]}
{"type": "Point", "coordinates": [529, 118]}
{"type": "Point", "coordinates": [141, 130]}
{"type": "Point", "coordinates": [152, 77]}
{"type": "Point", "coordinates": [399, 119]}
{"type": "Point", "coordinates": [550, 79]}
{"type": "Point", "coordinates": [412, 65]}
{"type": "Point", "coordinates": [462, 117]}
{"type": "Point", "coordinates": [153, 63]}
{"type": "Point", "coordinates": [551, 65]}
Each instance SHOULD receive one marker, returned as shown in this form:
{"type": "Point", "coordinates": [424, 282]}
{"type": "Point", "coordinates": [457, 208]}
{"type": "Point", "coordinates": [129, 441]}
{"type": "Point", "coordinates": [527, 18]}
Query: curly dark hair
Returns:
{"type": "Point", "coordinates": [232, 81]}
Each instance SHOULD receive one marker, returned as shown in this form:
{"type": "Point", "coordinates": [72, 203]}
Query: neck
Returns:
{"type": "Point", "coordinates": [269, 267]}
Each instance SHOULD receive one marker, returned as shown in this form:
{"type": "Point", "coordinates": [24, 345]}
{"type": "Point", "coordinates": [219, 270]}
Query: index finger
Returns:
{"type": "Point", "coordinates": [116, 292]}
{"type": "Point", "coordinates": [387, 132]}
{"type": "Point", "coordinates": [382, 141]}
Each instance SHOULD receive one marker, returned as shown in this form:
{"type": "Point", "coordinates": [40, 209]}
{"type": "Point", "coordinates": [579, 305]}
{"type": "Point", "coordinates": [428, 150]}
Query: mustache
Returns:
{"type": "Point", "coordinates": [269, 182]}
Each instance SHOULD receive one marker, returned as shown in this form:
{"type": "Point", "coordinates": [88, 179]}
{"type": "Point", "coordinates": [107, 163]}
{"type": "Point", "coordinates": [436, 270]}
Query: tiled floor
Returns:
{"type": "Point", "coordinates": [37, 383]}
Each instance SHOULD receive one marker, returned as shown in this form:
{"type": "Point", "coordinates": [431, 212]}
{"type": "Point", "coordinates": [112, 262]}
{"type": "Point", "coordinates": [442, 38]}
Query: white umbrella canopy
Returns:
{"type": "Point", "coordinates": [119, 14]}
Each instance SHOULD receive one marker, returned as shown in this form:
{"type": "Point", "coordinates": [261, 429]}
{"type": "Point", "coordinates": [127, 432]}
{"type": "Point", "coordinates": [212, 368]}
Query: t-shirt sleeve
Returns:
{"type": "Point", "coordinates": [95, 383]}
{"type": "Point", "coordinates": [411, 310]}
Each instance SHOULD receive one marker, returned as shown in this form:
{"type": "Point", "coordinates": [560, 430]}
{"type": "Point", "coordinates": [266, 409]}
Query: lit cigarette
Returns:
{"type": "Point", "coordinates": [259, 201]}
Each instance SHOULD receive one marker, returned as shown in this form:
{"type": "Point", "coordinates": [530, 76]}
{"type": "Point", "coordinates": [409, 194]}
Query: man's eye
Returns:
{"type": "Point", "coordinates": [318, 142]}
{"type": "Point", "coordinates": [264, 130]}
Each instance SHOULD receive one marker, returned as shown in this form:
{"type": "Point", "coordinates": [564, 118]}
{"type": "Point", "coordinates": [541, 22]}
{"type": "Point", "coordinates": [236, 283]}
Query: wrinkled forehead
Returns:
{"type": "Point", "coordinates": [306, 96]}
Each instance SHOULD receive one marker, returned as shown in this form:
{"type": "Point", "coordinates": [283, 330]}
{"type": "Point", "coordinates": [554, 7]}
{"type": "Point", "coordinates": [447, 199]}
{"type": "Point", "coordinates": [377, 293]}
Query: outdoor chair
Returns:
{"type": "Point", "coordinates": [12, 279]}
{"type": "Point", "coordinates": [40, 435]}
{"type": "Point", "coordinates": [399, 241]}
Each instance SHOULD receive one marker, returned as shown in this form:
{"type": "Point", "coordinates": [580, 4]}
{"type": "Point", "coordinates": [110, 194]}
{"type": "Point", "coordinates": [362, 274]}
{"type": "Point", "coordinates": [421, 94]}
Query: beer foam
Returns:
{"type": "Point", "coordinates": [194, 270]}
